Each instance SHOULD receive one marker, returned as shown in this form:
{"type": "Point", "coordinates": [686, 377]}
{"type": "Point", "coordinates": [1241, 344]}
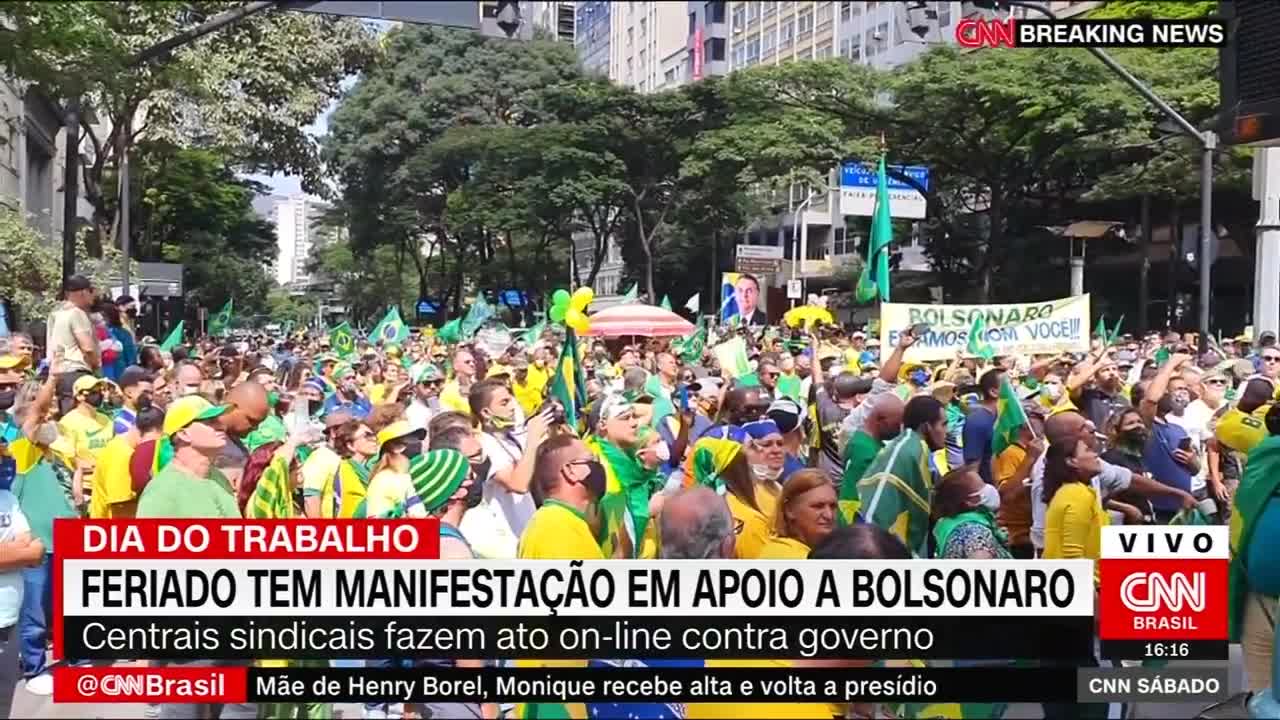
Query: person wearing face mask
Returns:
{"type": "Point", "coordinates": [965, 527]}
{"type": "Point", "coordinates": [1170, 454]}
{"type": "Point", "coordinates": [568, 483]}
{"type": "Point", "coordinates": [312, 397]}
{"type": "Point", "coordinates": [511, 448]}
{"type": "Point", "coordinates": [347, 396]}
{"type": "Point", "coordinates": [390, 483]}
{"type": "Point", "coordinates": [135, 386]}
{"type": "Point", "coordinates": [190, 379]}
{"type": "Point", "coordinates": [765, 454]}
{"type": "Point", "coordinates": [427, 382]}
{"type": "Point", "coordinates": [805, 516]}
{"type": "Point", "coordinates": [721, 465]}
{"type": "Point", "coordinates": [1053, 396]}
{"type": "Point", "coordinates": [85, 428]}
{"type": "Point", "coordinates": [486, 535]}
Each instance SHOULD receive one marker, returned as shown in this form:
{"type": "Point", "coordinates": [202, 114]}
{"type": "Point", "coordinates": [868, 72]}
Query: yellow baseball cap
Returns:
{"type": "Point", "coordinates": [184, 411]}
{"type": "Point", "coordinates": [89, 383]}
{"type": "Point", "coordinates": [12, 362]}
{"type": "Point", "coordinates": [398, 429]}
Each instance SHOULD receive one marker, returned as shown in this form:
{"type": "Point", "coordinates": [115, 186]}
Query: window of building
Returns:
{"type": "Point", "coordinates": [642, 60]}
{"type": "Point", "coordinates": [39, 180]}
{"type": "Point", "coordinates": [630, 36]}
{"type": "Point", "coordinates": [693, 23]}
{"type": "Point", "coordinates": [825, 12]}
{"type": "Point", "coordinates": [739, 18]}
{"type": "Point", "coordinates": [804, 24]}
{"type": "Point", "coordinates": [849, 10]}
{"type": "Point", "coordinates": [753, 11]}
{"type": "Point", "coordinates": [713, 50]}
{"type": "Point", "coordinates": [882, 37]}
{"type": "Point", "coordinates": [897, 34]}
{"type": "Point", "coordinates": [870, 41]}
{"type": "Point", "coordinates": [753, 51]}
{"type": "Point", "coordinates": [944, 14]}
{"type": "Point", "coordinates": [769, 9]}
{"type": "Point", "coordinates": [804, 53]}
{"type": "Point", "coordinates": [669, 77]}
{"type": "Point", "coordinates": [739, 55]}
{"type": "Point", "coordinates": [824, 51]}
{"type": "Point", "coordinates": [767, 43]}
{"type": "Point", "coordinates": [871, 7]}
{"type": "Point", "coordinates": [644, 27]}
{"type": "Point", "coordinates": [715, 12]}
{"type": "Point", "coordinates": [786, 34]}
{"type": "Point", "coordinates": [788, 242]}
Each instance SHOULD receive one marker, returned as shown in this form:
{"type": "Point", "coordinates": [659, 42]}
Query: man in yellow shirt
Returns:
{"type": "Point", "coordinates": [455, 392]}
{"type": "Point", "coordinates": [86, 430]}
{"type": "Point", "coordinates": [112, 493]}
{"type": "Point", "coordinates": [569, 481]}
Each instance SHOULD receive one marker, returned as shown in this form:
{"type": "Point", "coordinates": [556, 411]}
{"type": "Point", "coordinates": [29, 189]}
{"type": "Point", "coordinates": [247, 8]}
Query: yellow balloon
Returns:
{"type": "Point", "coordinates": [575, 319]}
{"type": "Point", "coordinates": [581, 299]}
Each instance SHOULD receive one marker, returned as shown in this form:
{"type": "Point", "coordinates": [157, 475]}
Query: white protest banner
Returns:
{"type": "Point", "coordinates": [1048, 327]}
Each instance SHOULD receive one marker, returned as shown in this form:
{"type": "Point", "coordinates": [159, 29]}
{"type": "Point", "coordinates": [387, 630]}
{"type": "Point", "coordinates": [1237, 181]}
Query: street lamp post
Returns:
{"type": "Point", "coordinates": [799, 241]}
{"type": "Point", "coordinates": [1208, 143]}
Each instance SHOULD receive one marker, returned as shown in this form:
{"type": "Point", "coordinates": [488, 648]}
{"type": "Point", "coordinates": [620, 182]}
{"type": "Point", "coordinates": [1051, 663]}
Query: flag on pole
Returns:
{"type": "Point", "coordinates": [220, 323]}
{"type": "Point", "coordinates": [1100, 330]}
{"type": "Point", "coordinates": [874, 281]}
{"type": "Point", "coordinates": [174, 338]}
{"type": "Point", "coordinates": [692, 304]}
{"type": "Point", "coordinates": [633, 294]}
{"type": "Point", "coordinates": [978, 344]}
{"type": "Point", "coordinates": [1010, 418]}
{"type": "Point", "coordinates": [532, 334]}
{"type": "Point", "coordinates": [343, 340]}
{"type": "Point", "coordinates": [390, 330]}
{"type": "Point", "coordinates": [450, 333]}
{"type": "Point", "coordinates": [1115, 331]}
{"type": "Point", "coordinates": [569, 383]}
{"type": "Point", "coordinates": [477, 316]}
{"type": "Point", "coordinates": [666, 303]}
{"type": "Point", "coordinates": [690, 349]}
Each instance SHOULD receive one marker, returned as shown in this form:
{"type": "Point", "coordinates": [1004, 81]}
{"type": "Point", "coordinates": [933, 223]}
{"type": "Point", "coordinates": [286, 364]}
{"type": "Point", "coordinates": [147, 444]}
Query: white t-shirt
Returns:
{"type": "Point", "coordinates": [419, 414]}
{"type": "Point", "coordinates": [1113, 479]}
{"type": "Point", "coordinates": [1195, 420]}
{"type": "Point", "coordinates": [504, 451]}
{"type": "Point", "coordinates": [12, 524]}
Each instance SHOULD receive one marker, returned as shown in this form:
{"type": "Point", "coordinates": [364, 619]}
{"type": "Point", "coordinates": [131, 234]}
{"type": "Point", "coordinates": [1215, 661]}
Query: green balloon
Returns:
{"type": "Point", "coordinates": [557, 312]}
{"type": "Point", "coordinates": [560, 297]}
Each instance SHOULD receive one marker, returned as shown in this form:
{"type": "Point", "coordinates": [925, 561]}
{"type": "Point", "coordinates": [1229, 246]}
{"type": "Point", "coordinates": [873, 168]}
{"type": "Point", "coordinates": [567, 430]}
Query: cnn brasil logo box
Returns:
{"type": "Point", "coordinates": [1163, 583]}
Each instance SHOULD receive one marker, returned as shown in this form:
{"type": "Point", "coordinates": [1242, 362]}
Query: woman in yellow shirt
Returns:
{"type": "Point", "coordinates": [805, 515]}
{"type": "Point", "coordinates": [390, 483]}
{"type": "Point", "coordinates": [1075, 518]}
{"type": "Point", "coordinates": [344, 491]}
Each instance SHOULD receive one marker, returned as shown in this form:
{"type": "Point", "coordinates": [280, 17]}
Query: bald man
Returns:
{"type": "Point", "coordinates": [882, 423]}
{"type": "Point", "coordinates": [695, 524]}
{"type": "Point", "coordinates": [247, 407]}
{"type": "Point", "coordinates": [1072, 427]}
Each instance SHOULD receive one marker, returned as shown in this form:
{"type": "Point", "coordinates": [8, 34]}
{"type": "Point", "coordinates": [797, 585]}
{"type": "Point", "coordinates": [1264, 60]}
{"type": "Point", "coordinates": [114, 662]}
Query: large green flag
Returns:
{"type": "Point", "coordinates": [978, 344]}
{"type": "Point", "coordinates": [874, 281]}
{"type": "Point", "coordinates": [221, 322]}
{"type": "Point", "coordinates": [532, 334]}
{"type": "Point", "coordinates": [343, 341]}
{"type": "Point", "coordinates": [569, 383]}
{"type": "Point", "coordinates": [477, 316]}
{"type": "Point", "coordinates": [390, 330]}
{"type": "Point", "coordinates": [895, 491]}
{"type": "Point", "coordinates": [1010, 418]}
{"type": "Point", "coordinates": [450, 333]}
{"type": "Point", "coordinates": [175, 337]}
{"type": "Point", "coordinates": [691, 348]}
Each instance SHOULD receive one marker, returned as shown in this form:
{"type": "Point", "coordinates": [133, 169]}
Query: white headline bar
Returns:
{"type": "Point", "coordinates": [145, 588]}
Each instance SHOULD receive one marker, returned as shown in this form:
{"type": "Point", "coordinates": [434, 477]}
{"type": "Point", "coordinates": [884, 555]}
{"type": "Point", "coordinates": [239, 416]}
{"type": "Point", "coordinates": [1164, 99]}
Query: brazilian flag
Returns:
{"type": "Point", "coordinates": [220, 323]}
{"type": "Point", "coordinates": [569, 383]}
{"type": "Point", "coordinates": [342, 340]}
{"type": "Point", "coordinates": [895, 491]}
{"type": "Point", "coordinates": [391, 330]}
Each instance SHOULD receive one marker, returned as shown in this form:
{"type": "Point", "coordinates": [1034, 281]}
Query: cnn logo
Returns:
{"type": "Point", "coordinates": [1149, 592]}
{"type": "Point", "coordinates": [977, 33]}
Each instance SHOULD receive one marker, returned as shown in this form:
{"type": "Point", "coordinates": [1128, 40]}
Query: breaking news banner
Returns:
{"type": "Point", "coordinates": [1037, 33]}
{"type": "Point", "coordinates": [1163, 592]}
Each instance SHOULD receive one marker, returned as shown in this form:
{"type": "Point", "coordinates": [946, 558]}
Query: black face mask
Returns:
{"type": "Point", "coordinates": [1136, 438]}
{"type": "Point", "coordinates": [475, 493]}
{"type": "Point", "coordinates": [7, 398]}
{"type": "Point", "coordinates": [94, 399]}
{"type": "Point", "coordinates": [314, 406]}
{"type": "Point", "coordinates": [597, 481]}
{"type": "Point", "coordinates": [412, 447]}
{"type": "Point", "coordinates": [144, 401]}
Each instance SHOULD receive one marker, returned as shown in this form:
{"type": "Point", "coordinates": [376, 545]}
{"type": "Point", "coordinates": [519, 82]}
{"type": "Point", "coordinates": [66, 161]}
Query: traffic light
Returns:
{"type": "Point", "coordinates": [500, 18]}
{"type": "Point", "coordinates": [1250, 76]}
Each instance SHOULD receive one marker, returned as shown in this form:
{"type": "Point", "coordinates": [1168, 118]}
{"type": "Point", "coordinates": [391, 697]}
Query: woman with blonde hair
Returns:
{"type": "Point", "coordinates": [805, 516]}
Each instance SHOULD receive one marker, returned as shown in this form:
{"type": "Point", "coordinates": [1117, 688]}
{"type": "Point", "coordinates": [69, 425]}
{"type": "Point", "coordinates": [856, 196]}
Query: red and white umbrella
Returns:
{"type": "Point", "coordinates": [636, 319]}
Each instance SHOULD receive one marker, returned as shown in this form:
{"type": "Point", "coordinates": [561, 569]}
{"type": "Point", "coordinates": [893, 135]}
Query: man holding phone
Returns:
{"type": "Point", "coordinates": [1171, 455]}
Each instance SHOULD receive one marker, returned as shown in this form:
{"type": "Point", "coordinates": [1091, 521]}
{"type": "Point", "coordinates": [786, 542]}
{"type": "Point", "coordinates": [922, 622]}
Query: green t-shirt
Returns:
{"type": "Point", "coordinates": [862, 450]}
{"type": "Point", "coordinates": [43, 498]}
{"type": "Point", "coordinates": [174, 493]}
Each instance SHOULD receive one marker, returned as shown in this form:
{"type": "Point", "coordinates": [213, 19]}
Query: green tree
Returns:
{"type": "Point", "coordinates": [247, 91]}
{"type": "Point", "coordinates": [284, 306]}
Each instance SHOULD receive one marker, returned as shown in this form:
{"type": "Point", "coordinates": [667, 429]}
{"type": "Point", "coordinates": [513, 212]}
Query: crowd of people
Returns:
{"type": "Point", "coordinates": [831, 447]}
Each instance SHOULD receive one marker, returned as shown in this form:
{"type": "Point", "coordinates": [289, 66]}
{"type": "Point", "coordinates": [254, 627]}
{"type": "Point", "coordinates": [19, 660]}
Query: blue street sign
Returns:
{"type": "Point", "coordinates": [426, 307]}
{"type": "Point", "coordinates": [853, 174]}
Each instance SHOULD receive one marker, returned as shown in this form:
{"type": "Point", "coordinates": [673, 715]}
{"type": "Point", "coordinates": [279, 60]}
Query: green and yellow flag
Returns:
{"type": "Point", "coordinates": [343, 341]}
{"type": "Point", "coordinates": [978, 344]}
{"type": "Point", "coordinates": [569, 383]}
{"type": "Point", "coordinates": [1010, 418]}
{"type": "Point", "coordinates": [174, 338]}
{"type": "Point", "coordinates": [895, 490]}
{"type": "Point", "coordinates": [390, 330]}
{"type": "Point", "coordinates": [874, 280]}
{"type": "Point", "coordinates": [476, 317]}
{"type": "Point", "coordinates": [691, 348]}
{"type": "Point", "coordinates": [221, 322]}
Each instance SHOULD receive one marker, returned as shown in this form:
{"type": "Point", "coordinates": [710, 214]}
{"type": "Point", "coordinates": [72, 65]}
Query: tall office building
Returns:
{"type": "Point", "coordinates": [556, 18]}
{"type": "Point", "coordinates": [297, 218]}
